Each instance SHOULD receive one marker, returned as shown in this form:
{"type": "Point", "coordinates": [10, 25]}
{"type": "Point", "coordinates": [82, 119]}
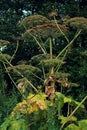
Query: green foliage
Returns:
{"type": "Point", "coordinates": [66, 119]}
{"type": "Point", "coordinates": [32, 104]}
{"type": "Point", "coordinates": [46, 107]}
{"type": "Point", "coordinates": [39, 110]}
{"type": "Point", "coordinates": [44, 71]}
{"type": "Point", "coordinates": [7, 104]}
{"type": "Point", "coordinates": [77, 68]}
{"type": "Point", "coordinates": [25, 71]}
{"type": "Point", "coordinates": [82, 125]}
{"type": "Point", "coordinates": [14, 125]}
{"type": "Point", "coordinates": [5, 125]}
{"type": "Point", "coordinates": [72, 127]}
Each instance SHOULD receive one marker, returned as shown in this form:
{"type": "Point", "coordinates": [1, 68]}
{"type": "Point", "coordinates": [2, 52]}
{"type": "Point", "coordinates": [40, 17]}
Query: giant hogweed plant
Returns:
{"type": "Point", "coordinates": [45, 106]}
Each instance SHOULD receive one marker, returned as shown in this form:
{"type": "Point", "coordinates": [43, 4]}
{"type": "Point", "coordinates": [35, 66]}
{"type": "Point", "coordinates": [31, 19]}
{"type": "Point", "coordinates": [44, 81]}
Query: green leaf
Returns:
{"type": "Point", "coordinates": [75, 103]}
{"type": "Point", "coordinates": [67, 100]}
{"type": "Point", "coordinates": [83, 124]}
{"type": "Point", "coordinates": [72, 127]}
{"type": "Point", "coordinates": [66, 119]}
{"type": "Point", "coordinates": [72, 102]}
{"type": "Point", "coordinates": [5, 125]}
{"type": "Point", "coordinates": [18, 125]}
{"type": "Point", "coordinates": [14, 125]}
{"type": "Point", "coordinates": [59, 97]}
{"type": "Point", "coordinates": [63, 119]}
{"type": "Point", "coordinates": [59, 101]}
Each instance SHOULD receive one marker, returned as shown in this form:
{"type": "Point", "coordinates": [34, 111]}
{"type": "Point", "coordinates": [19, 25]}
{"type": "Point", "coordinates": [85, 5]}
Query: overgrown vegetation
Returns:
{"type": "Point", "coordinates": [41, 89]}
{"type": "Point", "coordinates": [43, 65]}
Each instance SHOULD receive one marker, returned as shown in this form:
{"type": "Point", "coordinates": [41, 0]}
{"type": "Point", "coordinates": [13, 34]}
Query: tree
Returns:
{"type": "Point", "coordinates": [76, 56]}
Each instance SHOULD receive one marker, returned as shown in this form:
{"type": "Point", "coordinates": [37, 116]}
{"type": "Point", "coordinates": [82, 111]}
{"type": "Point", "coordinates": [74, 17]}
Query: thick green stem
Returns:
{"type": "Point", "coordinates": [14, 51]}
{"type": "Point", "coordinates": [51, 56]}
{"type": "Point", "coordinates": [50, 48]}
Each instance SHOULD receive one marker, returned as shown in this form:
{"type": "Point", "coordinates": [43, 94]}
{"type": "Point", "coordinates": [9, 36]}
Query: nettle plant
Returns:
{"type": "Point", "coordinates": [42, 82]}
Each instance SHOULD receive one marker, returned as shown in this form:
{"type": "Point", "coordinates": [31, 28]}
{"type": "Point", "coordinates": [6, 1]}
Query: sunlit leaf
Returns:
{"type": "Point", "coordinates": [72, 127]}
{"type": "Point", "coordinates": [83, 124]}
{"type": "Point", "coordinates": [66, 119]}
{"type": "Point", "coordinates": [72, 102]}
{"type": "Point", "coordinates": [67, 100]}
{"type": "Point", "coordinates": [18, 125]}
{"type": "Point", "coordinates": [31, 104]}
{"type": "Point", "coordinates": [5, 124]}
{"type": "Point", "coordinates": [59, 100]}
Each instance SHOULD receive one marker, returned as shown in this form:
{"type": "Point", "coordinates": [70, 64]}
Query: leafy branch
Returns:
{"type": "Point", "coordinates": [73, 112]}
